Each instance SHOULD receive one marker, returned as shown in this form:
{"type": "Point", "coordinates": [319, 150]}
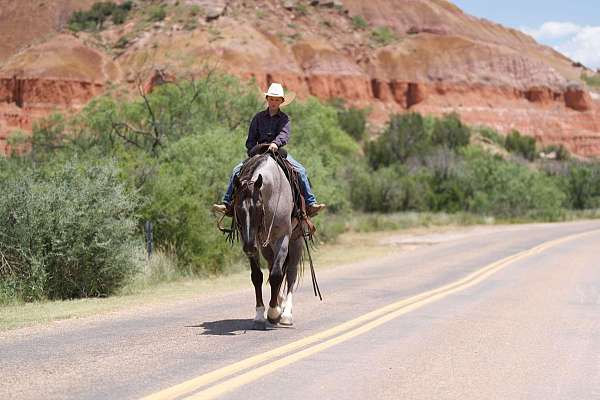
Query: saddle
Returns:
{"type": "Point", "coordinates": [301, 223]}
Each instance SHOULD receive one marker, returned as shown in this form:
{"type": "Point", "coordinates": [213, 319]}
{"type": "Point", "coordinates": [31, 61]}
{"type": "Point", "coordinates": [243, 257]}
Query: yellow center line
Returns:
{"type": "Point", "coordinates": [352, 328]}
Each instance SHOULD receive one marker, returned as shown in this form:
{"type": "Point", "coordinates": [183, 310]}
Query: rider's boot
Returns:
{"type": "Point", "coordinates": [224, 208]}
{"type": "Point", "coordinates": [314, 209]}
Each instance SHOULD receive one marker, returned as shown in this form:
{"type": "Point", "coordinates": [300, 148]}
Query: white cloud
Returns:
{"type": "Point", "coordinates": [583, 46]}
{"type": "Point", "coordinates": [580, 43]}
{"type": "Point", "coordinates": [553, 30]}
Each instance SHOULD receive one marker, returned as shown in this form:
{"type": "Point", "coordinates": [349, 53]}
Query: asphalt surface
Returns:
{"type": "Point", "coordinates": [529, 330]}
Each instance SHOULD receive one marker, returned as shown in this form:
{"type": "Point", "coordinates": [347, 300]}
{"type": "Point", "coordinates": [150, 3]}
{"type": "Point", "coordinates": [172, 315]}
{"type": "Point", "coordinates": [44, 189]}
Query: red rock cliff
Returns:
{"type": "Point", "coordinates": [437, 60]}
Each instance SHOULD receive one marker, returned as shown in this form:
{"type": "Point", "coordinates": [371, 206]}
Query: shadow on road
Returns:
{"type": "Point", "coordinates": [227, 327]}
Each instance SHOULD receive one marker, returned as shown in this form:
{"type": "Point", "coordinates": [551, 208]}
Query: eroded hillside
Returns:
{"type": "Point", "coordinates": [389, 55]}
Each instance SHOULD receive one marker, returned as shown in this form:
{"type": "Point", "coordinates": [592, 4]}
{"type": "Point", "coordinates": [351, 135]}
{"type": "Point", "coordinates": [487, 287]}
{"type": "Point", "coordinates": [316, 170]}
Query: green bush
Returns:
{"type": "Point", "coordinates": [359, 22]}
{"type": "Point", "coordinates": [582, 185]}
{"type": "Point", "coordinates": [520, 144]}
{"type": "Point", "coordinates": [172, 111]}
{"type": "Point", "coordinates": [301, 9]}
{"type": "Point", "coordinates": [353, 121]}
{"type": "Point", "coordinates": [192, 174]}
{"type": "Point", "coordinates": [492, 135]}
{"type": "Point", "coordinates": [94, 18]}
{"type": "Point", "coordinates": [405, 136]}
{"type": "Point", "coordinates": [506, 189]}
{"type": "Point", "coordinates": [388, 190]}
{"type": "Point", "coordinates": [450, 132]}
{"type": "Point", "coordinates": [383, 35]}
{"type": "Point", "coordinates": [156, 13]}
{"type": "Point", "coordinates": [65, 232]}
{"type": "Point", "coordinates": [119, 16]}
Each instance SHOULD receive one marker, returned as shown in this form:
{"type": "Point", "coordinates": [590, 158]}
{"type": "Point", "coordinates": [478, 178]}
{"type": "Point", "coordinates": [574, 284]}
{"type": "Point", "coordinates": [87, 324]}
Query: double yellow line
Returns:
{"type": "Point", "coordinates": [323, 340]}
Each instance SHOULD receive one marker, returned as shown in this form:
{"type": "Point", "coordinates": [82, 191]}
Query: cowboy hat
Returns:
{"type": "Point", "coordinates": [276, 90]}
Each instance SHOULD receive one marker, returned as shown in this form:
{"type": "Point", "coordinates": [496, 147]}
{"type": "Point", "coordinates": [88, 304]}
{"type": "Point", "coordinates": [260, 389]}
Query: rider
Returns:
{"type": "Point", "coordinates": [272, 126]}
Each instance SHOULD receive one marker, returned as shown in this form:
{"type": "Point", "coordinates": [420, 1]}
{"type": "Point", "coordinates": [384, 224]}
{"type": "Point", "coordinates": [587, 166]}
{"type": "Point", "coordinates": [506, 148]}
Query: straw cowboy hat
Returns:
{"type": "Point", "coordinates": [276, 90]}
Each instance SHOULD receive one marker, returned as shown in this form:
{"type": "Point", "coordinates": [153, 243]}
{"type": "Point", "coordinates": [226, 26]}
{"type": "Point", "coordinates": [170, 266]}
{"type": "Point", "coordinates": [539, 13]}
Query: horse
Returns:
{"type": "Point", "coordinates": [262, 212]}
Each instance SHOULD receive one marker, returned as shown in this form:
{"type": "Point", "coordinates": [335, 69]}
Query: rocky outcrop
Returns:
{"type": "Point", "coordinates": [577, 98]}
{"type": "Point", "coordinates": [212, 9]}
{"type": "Point", "coordinates": [28, 93]}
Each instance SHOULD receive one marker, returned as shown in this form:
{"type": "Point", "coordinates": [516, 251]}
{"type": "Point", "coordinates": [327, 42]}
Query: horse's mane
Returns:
{"type": "Point", "coordinates": [250, 165]}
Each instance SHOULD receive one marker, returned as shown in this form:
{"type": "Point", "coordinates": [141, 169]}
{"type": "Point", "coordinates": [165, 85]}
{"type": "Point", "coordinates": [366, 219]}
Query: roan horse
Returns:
{"type": "Point", "coordinates": [262, 207]}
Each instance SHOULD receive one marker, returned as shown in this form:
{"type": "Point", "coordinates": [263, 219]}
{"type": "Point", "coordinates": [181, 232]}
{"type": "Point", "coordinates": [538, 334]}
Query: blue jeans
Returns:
{"type": "Point", "coordinates": [307, 193]}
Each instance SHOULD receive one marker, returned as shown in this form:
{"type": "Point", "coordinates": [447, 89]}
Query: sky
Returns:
{"type": "Point", "coordinates": [571, 27]}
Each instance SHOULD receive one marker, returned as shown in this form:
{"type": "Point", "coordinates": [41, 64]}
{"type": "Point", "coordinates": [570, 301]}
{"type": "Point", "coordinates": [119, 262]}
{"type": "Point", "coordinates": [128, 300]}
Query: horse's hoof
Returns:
{"type": "Point", "coordinates": [286, 320]}
{"type": "Point", "coordinates": [274, 314]}
{"type": "Point", "coordinates": [260, 325]}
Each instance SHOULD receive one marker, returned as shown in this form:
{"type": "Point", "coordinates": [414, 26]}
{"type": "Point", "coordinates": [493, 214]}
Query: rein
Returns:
{"type": "Point", "coordinates": [266, 243]}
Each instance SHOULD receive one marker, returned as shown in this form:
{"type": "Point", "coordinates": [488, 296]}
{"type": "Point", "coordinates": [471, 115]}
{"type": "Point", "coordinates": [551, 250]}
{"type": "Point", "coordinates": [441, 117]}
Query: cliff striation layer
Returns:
{"type": "Point", "coordinates": [389, 55]}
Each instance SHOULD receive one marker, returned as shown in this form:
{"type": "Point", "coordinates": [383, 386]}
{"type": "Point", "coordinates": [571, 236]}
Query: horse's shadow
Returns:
{"type": "Point", "coordinates": [228, 327]}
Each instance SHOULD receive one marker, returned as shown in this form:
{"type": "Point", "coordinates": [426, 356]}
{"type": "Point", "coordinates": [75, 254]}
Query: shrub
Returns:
{"type": "Point", "coordinates": [301, 9]}
{"type": "Point", "coordinates": [508, 189]}
{"type": "Point", "coordinates": [66, 232]}
{"type": "Point", "coordinates": [450, 132]}
{"type": "Point", "coordinates": [582, 184]}
{"type": "Point", "coordinates": [522, 145]}
{"type": "Point", "coordinates": [156, 13]}
{"type": "Point", "coordinates": [492, 135]}
{"type": "Point", "coordinates": [358, 22]}
{"type": "Point", "coordinates": [191, 175]}
{"type": "Point", "coordinates": [383, 35]}
{"type": "Point", "coordinates": [353, 121]}
{"type": "Point", "coordinates": [119, 16]}
{"type": "Point", "coordinates": [97, 15]}
{"type": "Point", "coordinates": [172, 112]}
{"type": "Point", "coordinates": [405, 136]}
{"type": "Point", "coordinates": [195, 10]}
{"type": "Point", "coordinates": [388, 190]}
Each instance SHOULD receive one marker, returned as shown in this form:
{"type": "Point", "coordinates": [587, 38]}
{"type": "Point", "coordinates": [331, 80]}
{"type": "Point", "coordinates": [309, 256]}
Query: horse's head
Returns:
{"type": "Point", "coordinates": [248, 212]}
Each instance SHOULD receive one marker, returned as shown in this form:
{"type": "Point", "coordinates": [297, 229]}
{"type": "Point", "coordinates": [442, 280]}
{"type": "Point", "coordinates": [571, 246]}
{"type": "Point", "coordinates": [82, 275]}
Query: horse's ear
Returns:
{"type": "Point", "coordinates": [236, 181]}
{"type": "Point", "coordinates": [258, 182]}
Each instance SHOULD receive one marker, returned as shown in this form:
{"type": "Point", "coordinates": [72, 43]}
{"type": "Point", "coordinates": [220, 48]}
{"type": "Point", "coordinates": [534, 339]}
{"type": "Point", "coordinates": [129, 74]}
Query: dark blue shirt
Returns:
{"type": "Point", "coordinates": [265, 128]}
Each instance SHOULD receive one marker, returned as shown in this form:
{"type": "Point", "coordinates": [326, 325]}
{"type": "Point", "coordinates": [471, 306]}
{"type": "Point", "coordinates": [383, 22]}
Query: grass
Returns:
{"type": "Point", "coordinates": [399, 221]}
{"type": "Point", "coordinates": [159, 284]}
{"type": "Point", "coordinates": [383, 35]}
{"type": "Point", "coordinates": [591, 80]}
{"type": "Point", "coordinates": [359, 22]}
{"type": "Point", "coordinates": [148, 290]}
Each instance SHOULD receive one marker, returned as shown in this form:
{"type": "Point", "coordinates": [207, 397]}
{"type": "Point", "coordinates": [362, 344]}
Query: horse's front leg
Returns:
{"type": "Point", "coordinates": [276, 277]}
{"type": "Point", "coordinates": [291, 274]}
{"type": "Point", "coordinates": [257, 280]}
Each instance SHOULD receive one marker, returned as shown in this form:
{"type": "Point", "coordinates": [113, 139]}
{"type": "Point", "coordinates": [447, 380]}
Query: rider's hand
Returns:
{"type": "Point", "coordinates": [273, 147]}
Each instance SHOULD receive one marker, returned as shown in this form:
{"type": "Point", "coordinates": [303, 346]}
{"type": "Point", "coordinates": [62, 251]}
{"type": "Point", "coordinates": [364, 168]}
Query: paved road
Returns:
{"type": "Point", "coordinates": [495, 313]}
